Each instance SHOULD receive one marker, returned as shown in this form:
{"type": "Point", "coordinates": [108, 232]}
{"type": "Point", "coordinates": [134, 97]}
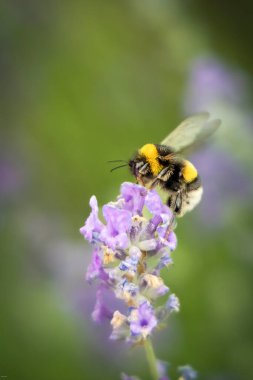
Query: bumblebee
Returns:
{"type": "Point", "coordinates": [163, 164]}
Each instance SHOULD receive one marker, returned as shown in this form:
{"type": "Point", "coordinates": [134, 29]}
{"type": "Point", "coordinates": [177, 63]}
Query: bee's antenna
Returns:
{"type": "Point", "coordinates": [117, 161]}
{"type": "Point", "coordinates": [117, 167]}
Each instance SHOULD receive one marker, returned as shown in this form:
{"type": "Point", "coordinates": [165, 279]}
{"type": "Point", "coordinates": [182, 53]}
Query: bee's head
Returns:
{"type": "Point", "coordinates": [139, 166]}
{"type": "Point", "coordinates": [145, 165]}
{"type": "Point", "coordinates": [146, 162]}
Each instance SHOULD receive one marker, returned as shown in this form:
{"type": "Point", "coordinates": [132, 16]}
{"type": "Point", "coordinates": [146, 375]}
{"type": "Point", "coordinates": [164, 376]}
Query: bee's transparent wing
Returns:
{"type": "Point", "coordinates": [191, 132]}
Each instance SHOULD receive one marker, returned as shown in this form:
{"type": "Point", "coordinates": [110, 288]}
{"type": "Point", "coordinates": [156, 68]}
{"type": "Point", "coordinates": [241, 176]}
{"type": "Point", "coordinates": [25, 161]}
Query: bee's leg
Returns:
{"type": "Point", "coordinates": [175, 202]}
{"type": "Point", "coordinates": [171, 226]}
{"type": "Point", "coordinates": [140, 181]}
{"type": "Point", "coordinates": [153, 183]}
{"type": "Point", "coordinates": [178, 203]}
{"type": "Point", "coordinates": [162, 176]}
{"type": "Point", "coordinates": [143, 169]}
{"type": "Point", "coordinates": [165, 174]}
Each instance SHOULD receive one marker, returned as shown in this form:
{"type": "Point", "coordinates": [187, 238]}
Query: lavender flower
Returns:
{"type": "Point", "coordinates": [129, 250]}
{"type": "Point", "coordinates": [212, 82]}
{"type": "Point", "coordinates": [173, 303]}
{"type": "Point", "coordinates": [222, 89]}
{"type": "Point", "coordinates": [12, 176]}
{"type": "Point", "coordinates": [162, 368]}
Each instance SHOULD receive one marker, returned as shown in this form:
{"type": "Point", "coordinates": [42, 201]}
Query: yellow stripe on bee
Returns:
{"type": "Point", "coordinates": [149, 151]}
{"type": "Point", "coordinates": [189, 171]}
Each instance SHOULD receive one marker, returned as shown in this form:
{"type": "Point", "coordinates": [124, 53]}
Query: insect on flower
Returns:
{"type": "Point", "coordinates": [132, 246]}
{"type": "Point", "coordinates": [163, 164]}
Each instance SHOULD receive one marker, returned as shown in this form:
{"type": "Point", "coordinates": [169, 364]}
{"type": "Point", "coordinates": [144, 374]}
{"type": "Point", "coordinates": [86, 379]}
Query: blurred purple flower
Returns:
{"type": "Point", "coordinates": [101, 312]}
{"type": "Point", "coordinates": [11, 176]}
{"type": "Point", "coordinates": [226, 182]}
{"type": "Point", "coordinates": [162, 368]}
{"type": "Point", "coordinates": [173, 303]}
{"type": "Point", "coordinates": [211, 82]}
{"type": "Point", "coordinates": [215, 86]}
{"type": "Point", "coordinates": [187, 372]}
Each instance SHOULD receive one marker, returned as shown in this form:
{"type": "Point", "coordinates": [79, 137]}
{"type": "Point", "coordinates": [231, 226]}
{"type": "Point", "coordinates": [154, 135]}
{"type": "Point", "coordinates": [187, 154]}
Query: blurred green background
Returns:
{"type": "Point", "coordinates": [84, 82]}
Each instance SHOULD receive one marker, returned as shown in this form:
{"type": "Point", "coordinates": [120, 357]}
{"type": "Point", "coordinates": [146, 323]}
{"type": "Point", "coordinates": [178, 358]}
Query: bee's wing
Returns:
{"type": "Point", "coordinates": [191, 132]}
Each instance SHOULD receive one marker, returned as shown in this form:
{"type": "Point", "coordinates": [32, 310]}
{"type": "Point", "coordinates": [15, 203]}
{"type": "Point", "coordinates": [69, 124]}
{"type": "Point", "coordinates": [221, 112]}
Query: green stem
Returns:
{"type": "Point", "coordinates": [151, 358]}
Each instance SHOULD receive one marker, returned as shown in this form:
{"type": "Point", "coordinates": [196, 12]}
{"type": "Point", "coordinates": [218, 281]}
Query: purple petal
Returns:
{"type": "Point", "coordinates": [95, 268]}
{"type": "Point", "coordinates": [118, 220]}
{"type": "Point", "coordinates": [172, 240]}
{"type": "Point", "coordinates": [142, 320]}
{"type": "Point", "coordinates": [100, 312]}
{"type": "Point", "coordinates": [169, 240]}
{"type": "Point", "coordinates": [116, 233]}
{"type": "Point", "coordinates": [93, 226]}
{"type": "Point", "coordinates": [130, 263]}
{"type": "Point", "coordinates": [120, 241]}
{"type": "Point", "coordinates": [134, 197]}
{"type": "Point", "coordinates": [155, 205]}
{"type": "Point", "coordinates": [165, 258]}
{"type": "Point", "coordinates": [154, 223]}
{"type": "Point", "coordinates": [173, 303]}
